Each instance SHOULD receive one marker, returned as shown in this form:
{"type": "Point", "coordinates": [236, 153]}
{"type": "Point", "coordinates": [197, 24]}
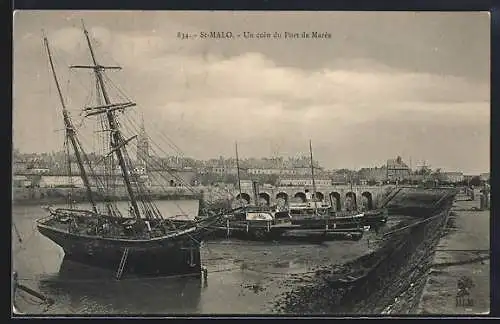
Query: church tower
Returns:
{"type": "Point", "coordinates": [143, 146]}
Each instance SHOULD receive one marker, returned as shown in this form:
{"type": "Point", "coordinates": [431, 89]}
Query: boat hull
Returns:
{"type": "Point", "coordinates": [375, 218]}
{"type": "Point", "coordinates": [282, 233]}
{"type": "Point", "coordinates": [321, 222]}
{"type": "Point", "coordinates": [149, 258]}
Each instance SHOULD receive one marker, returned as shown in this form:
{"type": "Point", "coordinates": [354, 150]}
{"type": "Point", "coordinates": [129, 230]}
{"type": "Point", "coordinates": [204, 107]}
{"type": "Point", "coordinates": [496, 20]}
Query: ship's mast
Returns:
{"type": "Point", "coordinates": [117, 141]}
{"type": "Point", "coordinates": [238, 169]}
{"type": "Point", "coordinates": [70, 132]}
{"type": "Point", "coordinates": [312, 173]}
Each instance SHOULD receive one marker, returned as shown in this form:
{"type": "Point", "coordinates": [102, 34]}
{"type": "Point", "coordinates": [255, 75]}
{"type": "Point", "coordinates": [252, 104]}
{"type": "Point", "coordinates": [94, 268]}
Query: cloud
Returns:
{"type": "Point", "coordinates": [192, 65]}
{"type": "Point", "coordinates": [194, 85]}
{"type": "Point", "coordinates": [254, 75]}
{"type": "Point", "coordinates": [205, 100]}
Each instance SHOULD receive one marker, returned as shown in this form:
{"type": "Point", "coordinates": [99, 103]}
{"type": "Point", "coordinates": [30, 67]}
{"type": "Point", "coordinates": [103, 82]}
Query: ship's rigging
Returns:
{"type": "Point", "coordinates": [314, 195]}
{"type": "Point", "coordinates": [101, 236]}
{"type": "Point", "coordinates": [112, 138]}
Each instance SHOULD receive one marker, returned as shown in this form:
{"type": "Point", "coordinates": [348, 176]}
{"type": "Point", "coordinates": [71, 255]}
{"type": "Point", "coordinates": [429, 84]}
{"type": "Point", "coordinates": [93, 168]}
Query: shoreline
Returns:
{"type": "Point", "coordinates": [389, 280]}
{"type": "Point", "coordinates": [461, 258]}
{"type": "Point", "coordinates": [383, 275]}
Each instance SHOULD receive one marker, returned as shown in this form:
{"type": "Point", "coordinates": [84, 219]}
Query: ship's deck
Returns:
{"type": "Point", "coordinates": [86, 223]}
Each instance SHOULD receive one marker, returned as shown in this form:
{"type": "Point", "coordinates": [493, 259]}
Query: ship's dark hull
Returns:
{"type": "Point", "coordinates": [375, 218]}
{"type": "Point", "coordinates": [330, 222]}
{"type": "Point", "coordinates": [170, 256]}
{"type": "Point", "coordinates": [281, 234]}
{"type": "Point", "coordinates": [372, 218]}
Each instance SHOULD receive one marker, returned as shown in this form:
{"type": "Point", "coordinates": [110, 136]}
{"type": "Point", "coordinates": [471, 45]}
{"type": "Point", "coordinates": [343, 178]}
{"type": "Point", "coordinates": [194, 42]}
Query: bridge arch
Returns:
{"type": "Point", "coordinates": [320, 196]}
{"type": "Point", "coordinates": [283, 196]}
{"type": "Point", "coordinates": [300, 195]}
{"type": "Point", "coordinates": [336, 200]}
{"type": "Point", "coordinates": [368, 199]}
{"type": "Point", "coordinates": [265, 196]}
{"type": "Point", "coordinates": [244, 196]}
{"type": "Point", "coordinates": [352, 197]}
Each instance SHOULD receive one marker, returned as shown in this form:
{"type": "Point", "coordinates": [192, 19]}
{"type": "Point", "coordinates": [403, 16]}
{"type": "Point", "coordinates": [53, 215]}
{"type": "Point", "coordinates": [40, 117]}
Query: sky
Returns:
{"type": "Point", "coordinates": [384, 84]}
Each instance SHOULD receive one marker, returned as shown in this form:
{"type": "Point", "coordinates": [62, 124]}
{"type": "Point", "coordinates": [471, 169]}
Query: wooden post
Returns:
{"type": "Point", "coordinates": [191, 258]}
{"type": "Point", "coordinates": [205, 273]}
{"type": "Point", "coordinates": [14, 288]}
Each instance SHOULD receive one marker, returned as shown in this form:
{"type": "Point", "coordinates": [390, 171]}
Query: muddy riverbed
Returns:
{"type": "Point", "coordinates": [391, 277]}
{"type": "Point", "coordinates": [387, 274]}
{"type": "Point", "coordinates": [243, 277]}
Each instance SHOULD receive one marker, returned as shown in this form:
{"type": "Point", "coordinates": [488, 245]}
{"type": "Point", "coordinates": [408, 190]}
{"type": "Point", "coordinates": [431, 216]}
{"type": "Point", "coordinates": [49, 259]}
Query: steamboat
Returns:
{"type": "Point", "coordinates": [315, 214]}
{"type": "Point", "coordinates": [309, 221]}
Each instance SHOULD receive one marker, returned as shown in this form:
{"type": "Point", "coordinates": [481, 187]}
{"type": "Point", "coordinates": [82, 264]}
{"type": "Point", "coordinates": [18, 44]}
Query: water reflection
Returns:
{"type": "Point", "coordinates": [81, 289]}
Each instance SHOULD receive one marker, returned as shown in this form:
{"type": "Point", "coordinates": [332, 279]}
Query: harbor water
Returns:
{"type": "Point", "coordinates": [243, 277]}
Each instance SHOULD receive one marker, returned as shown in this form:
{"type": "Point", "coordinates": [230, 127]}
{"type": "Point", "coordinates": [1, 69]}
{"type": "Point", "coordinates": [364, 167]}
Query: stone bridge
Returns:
{"type": "Point", "coordinates": [342, 197]}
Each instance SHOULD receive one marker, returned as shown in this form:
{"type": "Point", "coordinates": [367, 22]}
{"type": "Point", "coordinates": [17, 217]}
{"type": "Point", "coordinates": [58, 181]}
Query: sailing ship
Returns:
{"type": "Point", "coordinates": [142, 242]}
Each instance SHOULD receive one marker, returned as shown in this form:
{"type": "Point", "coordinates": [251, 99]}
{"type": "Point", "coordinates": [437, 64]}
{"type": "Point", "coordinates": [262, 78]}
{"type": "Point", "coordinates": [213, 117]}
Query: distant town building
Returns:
{"type": "Point", "coordinates": [171, 178]}
{"type": "Point", "coordinates": [106, 170]}
{"type": "Point", "coordinates": [339, 178]}
{"type": "Point", "coordinates": [288, 171]}
{"type": "Point", "coordinates": [233, 170]}
{"type": "Point", "coordinates": [19, 181]}
{"type": "Point", "coordinates": [344, 176]}
{"type": "Point", "coordinates": [451, 177]}
{"type": "Point", "coordinates": [397, 169]}
{"type": "Point", "coordinates": [484, 176]}
{"type": "Point", "coordinates": [262, 166]}
{"type": "Point", "coordinates": [468, 177]}
{"type": "Point", "coordinates": [60, 181]}
{"type": "Point", "coordinates": [306, 170]}
{"type": "Point", "coordinates": [263, 171]}
{"type": "Point", "coordinates": [19, 166]}
{"type": "Point", "coordinates": [373, 174]}
{"type": "Point", "coordinates": [222, 170]}
{"type": "Point", "coordinates": [303, 181]}
{"type": "Point", "coordinates": [37, 171]}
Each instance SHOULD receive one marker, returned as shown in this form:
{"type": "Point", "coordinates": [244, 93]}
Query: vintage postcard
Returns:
{"type": "Point", "coordinates": [250, 162]}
